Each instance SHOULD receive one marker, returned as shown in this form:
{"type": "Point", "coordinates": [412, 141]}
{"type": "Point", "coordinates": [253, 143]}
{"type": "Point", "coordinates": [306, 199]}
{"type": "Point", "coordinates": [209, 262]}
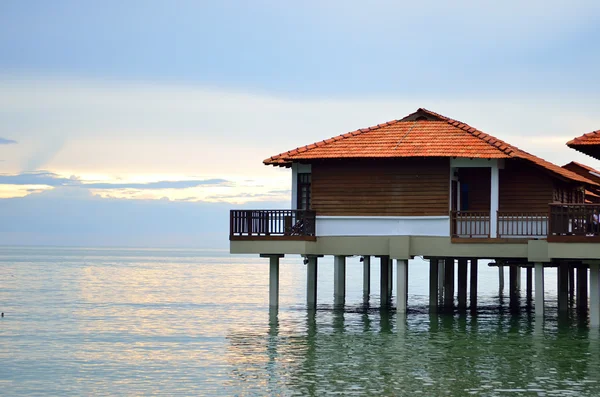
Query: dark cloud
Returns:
{"type": "Point", "coordinates": [4, 141]}
{"type": "Point", "coordinates": [51, 179]}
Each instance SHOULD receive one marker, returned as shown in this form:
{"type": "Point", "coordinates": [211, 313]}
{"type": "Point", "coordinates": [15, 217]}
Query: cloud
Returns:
{"type": "Point", "coordinates": [51, 179]}
{"type": "Point", "coordinates": [160, 185]}
{"type": "Point", "coordinates": [69, 216]}
{"type": "Point", "coordinates": [4, 141]}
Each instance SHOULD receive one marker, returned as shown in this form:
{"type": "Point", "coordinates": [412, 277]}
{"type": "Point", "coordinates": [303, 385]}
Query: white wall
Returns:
{"type": "Point", "coordinates": [383, 226]}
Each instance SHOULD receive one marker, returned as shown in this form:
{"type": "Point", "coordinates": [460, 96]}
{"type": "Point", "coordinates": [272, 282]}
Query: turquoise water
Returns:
{"type": "Point", "coordinates": [190, 322]}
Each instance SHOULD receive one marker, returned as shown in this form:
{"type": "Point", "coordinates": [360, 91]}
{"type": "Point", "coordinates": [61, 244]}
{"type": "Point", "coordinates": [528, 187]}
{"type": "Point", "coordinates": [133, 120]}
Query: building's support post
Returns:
{"type": "Point", "coordinates": [513, 288]}
{"type": "Point", "coordinates": [273, 279]}
{"type": "Point", "coordinates": [383, 282]}
{"type": "Point", "coordinates": [449, 283]}
{"type": "Point", "coordinates": [582, 288]}
{"type": "Point", "coordinates": [539, 289]}
{"type": "Point", "coordinates": [500, 279]}
{"type": "Point", "coordinates": [390, 278]}
{"type": "Point", "coordinates": [518, 278]}
{"type": "Point", "coordinates": [494, 194]}
{"type": "Point", "coordinates": [529, 283]}
{"type": "Point", "coordinates": [563, 287]}
{"type": "Point", "coordinates": [433, 284]}
{"type": "Point", "coordinates": [339, 280]}
{"type": "Point", "coordinates": [473, 286]}
{"type": "Point", "coordinates": [402, 285]}
{"type": "Point", "coordinates": [441, 273]}
{"type": "Point", "coordinates": [366, 277]}
{"type": "Point", "coordinates": [571, 284]}
{"type": "Point", "coordinates": [594, 295]}
{"type": "Point", "coordinates": [311, 282]}
{"type": "Point", "coordinates": [462, 284]}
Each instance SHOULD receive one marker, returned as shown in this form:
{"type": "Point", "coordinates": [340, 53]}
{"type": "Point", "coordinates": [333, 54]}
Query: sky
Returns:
{"type": "Point", "coordinates": [141, 123]}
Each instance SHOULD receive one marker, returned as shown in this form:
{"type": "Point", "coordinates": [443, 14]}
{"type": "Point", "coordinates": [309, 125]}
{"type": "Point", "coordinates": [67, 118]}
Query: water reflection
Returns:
{"type": "Point", "coordinates": [375, 352]}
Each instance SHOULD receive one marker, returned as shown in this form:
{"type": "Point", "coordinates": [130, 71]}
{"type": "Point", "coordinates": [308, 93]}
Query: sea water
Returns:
{"type": "Point", "coordinates": [82, 321]}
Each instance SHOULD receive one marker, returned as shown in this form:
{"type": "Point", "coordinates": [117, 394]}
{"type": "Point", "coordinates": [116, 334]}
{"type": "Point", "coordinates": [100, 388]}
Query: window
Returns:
{"type": "Point", "coordinates": [303, 202]}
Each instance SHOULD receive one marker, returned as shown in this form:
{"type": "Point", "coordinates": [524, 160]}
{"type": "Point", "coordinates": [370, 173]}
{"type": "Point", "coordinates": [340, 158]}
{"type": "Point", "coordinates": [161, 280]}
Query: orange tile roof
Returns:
{"type": "Point", "coordinates": [591, 138]}
{"type": "Point", "coordinates": [437, 136]}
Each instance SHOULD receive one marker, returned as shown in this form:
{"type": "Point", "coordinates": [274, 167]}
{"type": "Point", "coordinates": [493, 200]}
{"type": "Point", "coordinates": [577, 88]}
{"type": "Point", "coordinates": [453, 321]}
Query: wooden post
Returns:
{"type": "Point", "coordinates": [513, 289]}
{"type": "Point", "coordinates": [383, 281]}
{"type": "Point", "coordinates": [462, 284]}
{"type": "Point", "coordinates": [449, 283]}
{"type": "Point", "coordinates": [433, 285]}
{"type": "Point", "coordinates": [529, 284]}
{"type": "Point", "coordinates": [473, 286]}
{"type": "Point", "coordinates": [582, 288]}
{"type": "Point", "coordinates": [571, 284]}
{"type": "Point", "coordinates": [366, 277]}
{"type": "Point", "coordinates": [563, 287]}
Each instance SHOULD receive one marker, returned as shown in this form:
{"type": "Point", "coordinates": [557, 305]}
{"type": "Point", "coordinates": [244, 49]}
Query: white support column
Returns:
{"type": "Point", "coordinates": [539, 289]}
{"type": "Point", "coordinates": [339, 280]}
{"type": "Point", "coordinates": [594, 295]}
{"type": "Point", "coordinates": [366, 276]}
{"type": "Point", "coordinates": [273, 279]}
{"type": "Point", "coordinates": [494, 199]}
{"type": "Point", "coordinates": [433, 285]}
{"type": "Point", "coordinates": [402, 285]}
{"type": "Point", "coordinates": [311, 282]}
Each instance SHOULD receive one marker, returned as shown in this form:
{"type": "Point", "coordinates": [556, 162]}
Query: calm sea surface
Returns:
{"type": "Point", "coordinates": [191, 322]}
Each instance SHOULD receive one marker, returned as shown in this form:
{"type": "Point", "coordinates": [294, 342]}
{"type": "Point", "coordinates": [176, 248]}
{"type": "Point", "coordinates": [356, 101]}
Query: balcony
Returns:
{"type": "Point", "coordinates": [272, 225]}
{"type": "Point", "coordinates": [562, 223]}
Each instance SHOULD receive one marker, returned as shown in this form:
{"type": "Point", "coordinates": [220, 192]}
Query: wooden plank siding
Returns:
{"type": "Point", "coordinates": [524, 188]}
{"type": "Point", "coordinates": [398, 187]}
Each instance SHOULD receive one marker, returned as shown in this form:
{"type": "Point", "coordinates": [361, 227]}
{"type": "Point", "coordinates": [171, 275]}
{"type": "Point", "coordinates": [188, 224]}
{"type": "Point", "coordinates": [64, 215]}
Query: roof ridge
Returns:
{"type": "Point", "coordinates": [504, 147]}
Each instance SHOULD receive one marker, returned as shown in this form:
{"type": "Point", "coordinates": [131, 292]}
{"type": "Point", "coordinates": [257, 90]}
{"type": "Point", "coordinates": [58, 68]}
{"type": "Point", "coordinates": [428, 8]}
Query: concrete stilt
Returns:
{"type": "Point", "coordinates": [563, 287]}
{"type": "Point", "coordinates": [402, 285]}
{"type": "Point", "coordinates": [473, 286]}
{"type": "Point", "coordinates": [366, 277]}
{"type": "Point", "coordinates": [518, 270]}
{"type": "Point", "coordinates": [339, 280]}
{"type": "Point", "coordinates": [582, 289]}
{"type": "Point", "coordinates": [390, 277]}
{"type": "Point", "coordinates": [433, 285]}
{"type": "Point", "coordinates": [571, 284]}
{"type": "Point", "coordinates": [449, 283]}
{"type": "Point", "coordinates": [539, 289]}
{"type": "Point", "coordinates": [311, 282]}
{"type": "Point", "coordinates": [501, 279]}
{"type": "Point", "coordinates": [384, 274]}
{"type": "Point", "coordinates": [594, 295]}
{"type": "Point", "coordinates": [462, 284]}
{"type": "Point", "coordinates": [441, 273]}
{"type": "Point", "coordinates": [513, 287]}
{"type": "Point", "coordinates": [529, 284]}
{"type": "Point", "coordinates": [273, 279]}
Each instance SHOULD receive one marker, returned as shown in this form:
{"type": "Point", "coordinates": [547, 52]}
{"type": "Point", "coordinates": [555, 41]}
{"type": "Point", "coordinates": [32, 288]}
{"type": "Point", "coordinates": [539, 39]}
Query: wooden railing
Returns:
{"type": "Point", "coordinates": [522, 224]}
{"type": "Point", "coordinates": [574, 220]}
{"type": "Point", "coordinates": [272, 223]}
{"type": "Point", "coordinates": [470, 224]}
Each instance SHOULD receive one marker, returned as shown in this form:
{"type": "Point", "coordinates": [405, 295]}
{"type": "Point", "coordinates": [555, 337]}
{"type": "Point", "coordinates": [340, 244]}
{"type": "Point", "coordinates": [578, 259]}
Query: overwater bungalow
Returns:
{"type": "Point", "coordinates": [427, 185]}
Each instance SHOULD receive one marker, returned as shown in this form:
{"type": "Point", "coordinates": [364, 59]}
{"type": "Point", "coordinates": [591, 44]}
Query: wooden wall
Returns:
{"type": "Point", "coordinates": [524, 187]}
{"type": "Point", "coordinates": [400, 187]}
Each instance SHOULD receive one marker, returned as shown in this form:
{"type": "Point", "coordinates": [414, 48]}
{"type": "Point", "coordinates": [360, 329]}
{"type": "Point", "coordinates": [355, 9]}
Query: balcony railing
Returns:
{"type": "Point", "coordinates": [522, 224]}
{"type": "Point", "coordinates": [469, 224]}
{"type": "Point", "coordinates": [272, 223]}
{"type": "Point", "coordinates": [574, 220]}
